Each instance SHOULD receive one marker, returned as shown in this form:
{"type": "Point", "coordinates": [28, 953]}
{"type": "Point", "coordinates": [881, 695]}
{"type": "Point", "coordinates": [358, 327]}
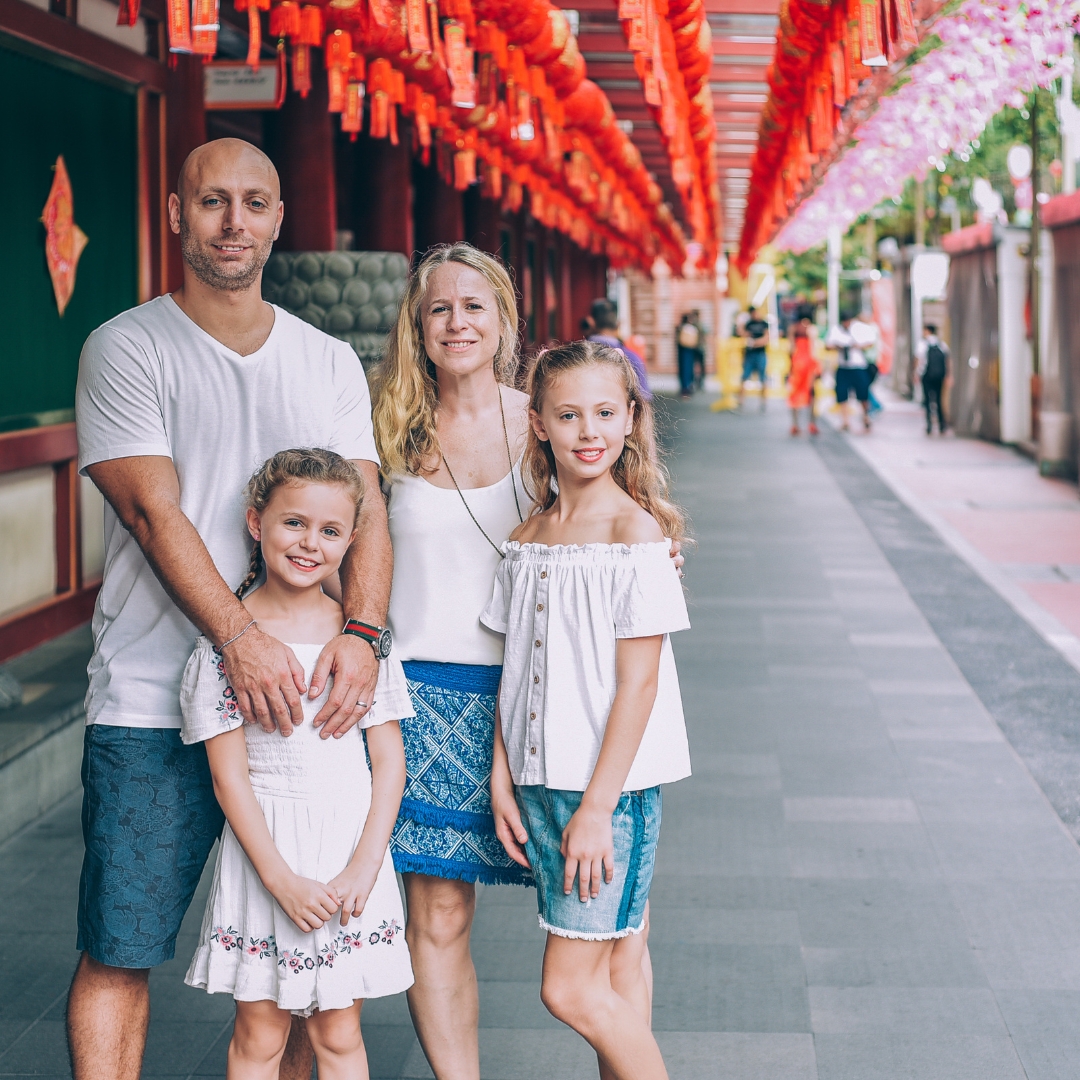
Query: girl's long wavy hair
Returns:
{"type": "Point", "coordinates": [638, 471]}
{"type": "Point", "coordinates": [296, 467]}
{"type": "Point", "coordinates": [406, 390]}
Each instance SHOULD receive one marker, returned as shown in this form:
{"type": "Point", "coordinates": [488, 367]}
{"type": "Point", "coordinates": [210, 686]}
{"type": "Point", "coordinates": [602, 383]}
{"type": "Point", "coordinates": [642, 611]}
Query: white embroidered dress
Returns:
{"type": "Point", "coordinates": [315, 794]}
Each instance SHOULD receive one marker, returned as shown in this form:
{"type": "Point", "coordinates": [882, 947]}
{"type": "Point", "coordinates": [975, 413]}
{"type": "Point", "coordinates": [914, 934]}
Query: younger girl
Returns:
{"type": "Point", "coordinates": [308, 824]}
{"type": "Point", "coordinates": [591, 720]}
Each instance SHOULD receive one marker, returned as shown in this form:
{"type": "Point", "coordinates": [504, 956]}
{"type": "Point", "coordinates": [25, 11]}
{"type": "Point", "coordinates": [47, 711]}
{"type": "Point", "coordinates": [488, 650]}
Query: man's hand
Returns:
{"type": "Point", "coordinates": [352, 663]}
{"type": "Point", "coordinates": [267, 679]}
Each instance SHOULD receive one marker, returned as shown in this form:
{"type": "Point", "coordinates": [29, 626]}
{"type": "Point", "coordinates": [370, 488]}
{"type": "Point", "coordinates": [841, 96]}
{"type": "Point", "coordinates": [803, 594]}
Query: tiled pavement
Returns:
{"type": "Point", "coordinates": [861, 881]}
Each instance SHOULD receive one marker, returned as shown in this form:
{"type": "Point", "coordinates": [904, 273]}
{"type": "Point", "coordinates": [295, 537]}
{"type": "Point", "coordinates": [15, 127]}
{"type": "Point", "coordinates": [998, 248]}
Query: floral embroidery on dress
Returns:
{"type": "Point", "coordinates": [386, 933]}
{"type": "Point", "coordinates": [228, 939]}
{"type": "Point", "coordinates": [261, 948]}
{"type": "Point", "coordinates": [227, 707]}
{"type": "Point", "coordinates": [345, 942]}
{"type": "Point", "coordinates": [295, 961]}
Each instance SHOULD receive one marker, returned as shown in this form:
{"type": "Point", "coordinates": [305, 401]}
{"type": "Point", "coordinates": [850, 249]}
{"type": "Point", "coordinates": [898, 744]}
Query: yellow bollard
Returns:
{"type": "Point", "coordinates": [729, 368]}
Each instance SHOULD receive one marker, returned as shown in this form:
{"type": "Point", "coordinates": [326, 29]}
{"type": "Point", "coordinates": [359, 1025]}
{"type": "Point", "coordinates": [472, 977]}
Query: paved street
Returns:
{"type": "Point", "coordinates": [862, 881]}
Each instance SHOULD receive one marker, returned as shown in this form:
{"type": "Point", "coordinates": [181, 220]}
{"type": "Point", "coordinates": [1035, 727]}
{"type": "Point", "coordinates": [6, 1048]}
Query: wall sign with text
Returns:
{"type": "Point", "coordinates": [232, 84]}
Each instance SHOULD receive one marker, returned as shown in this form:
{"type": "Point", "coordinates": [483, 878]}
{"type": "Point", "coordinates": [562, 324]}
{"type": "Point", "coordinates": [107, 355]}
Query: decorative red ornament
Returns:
{"type": "Point", "coordinates": [459, 65]}
{"type": "Point", "coordinates": [179, 23]}
{"type": "Point", "coordinates": [872, 53]}
{"type": "Point", "coordinates": [64, 240]}
{"type": "Point", "coordinates": [905, 18]}
{"type": "Point", "coordinates": [311, 26]}
{"type": "Point", "coordinates": [285, 20]}
{"type": "Point", "coordinates": [128, 15]}
{"type": "Point", "coordinates": [301, 69]}
{"type": "Point", "coordinates": [204, 27]}
{"type": "Point", "coordinates": [352, 116]}
{"type": "Point", "coordinates": [419, 37]}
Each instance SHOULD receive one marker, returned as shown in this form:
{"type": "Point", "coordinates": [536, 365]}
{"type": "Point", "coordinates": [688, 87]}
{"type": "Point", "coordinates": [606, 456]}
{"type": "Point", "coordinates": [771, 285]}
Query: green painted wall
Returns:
{"type": "Point", "coordinates": [53, 109]}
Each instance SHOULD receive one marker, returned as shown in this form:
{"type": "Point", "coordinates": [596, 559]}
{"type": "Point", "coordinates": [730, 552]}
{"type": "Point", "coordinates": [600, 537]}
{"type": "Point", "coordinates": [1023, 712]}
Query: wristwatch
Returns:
{"type": "Point", "coordinates": [378, 637]}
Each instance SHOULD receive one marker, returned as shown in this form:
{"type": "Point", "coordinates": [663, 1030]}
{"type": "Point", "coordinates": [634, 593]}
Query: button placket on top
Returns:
{"type": "Point", "coordinates": [537, 685]}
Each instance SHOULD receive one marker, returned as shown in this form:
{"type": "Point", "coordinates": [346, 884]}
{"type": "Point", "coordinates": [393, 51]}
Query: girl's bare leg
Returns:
{"type": "Point", "coordinates": [444, 1000]}
{"type": "Point", "coordinates": [259, 1036]}
{"type": "Point", "coordinates": [578, 990]}
{"type": "Point", "coordinates": [338, 1044]}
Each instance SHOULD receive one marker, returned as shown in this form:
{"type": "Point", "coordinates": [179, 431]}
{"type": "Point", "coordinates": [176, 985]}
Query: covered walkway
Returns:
{"type": "Point", "coordinates": [862, 880]}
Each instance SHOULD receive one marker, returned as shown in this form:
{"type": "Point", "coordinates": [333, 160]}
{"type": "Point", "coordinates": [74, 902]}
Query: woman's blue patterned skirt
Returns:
{"type": "Point", "coordinates": [445, 827]}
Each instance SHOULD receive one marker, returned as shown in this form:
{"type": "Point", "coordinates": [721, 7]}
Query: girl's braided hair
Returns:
{"type": "Point", "coordinates": [295, 467]}
{"type": "Point", "coordinates": [639, 470]}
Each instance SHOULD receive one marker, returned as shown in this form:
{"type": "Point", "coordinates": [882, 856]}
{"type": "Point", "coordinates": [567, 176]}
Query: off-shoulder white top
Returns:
{"type": "Point", "coordinates": [562, 610]}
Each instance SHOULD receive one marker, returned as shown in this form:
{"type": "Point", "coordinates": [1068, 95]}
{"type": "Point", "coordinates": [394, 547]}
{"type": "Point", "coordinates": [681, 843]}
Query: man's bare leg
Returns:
{"type": "Point", "coordinates": [445, 999]}
{"type": "Point", "coordinates": [299, 1056]}
{"type": "Point", "coordinates": [108, 1015]}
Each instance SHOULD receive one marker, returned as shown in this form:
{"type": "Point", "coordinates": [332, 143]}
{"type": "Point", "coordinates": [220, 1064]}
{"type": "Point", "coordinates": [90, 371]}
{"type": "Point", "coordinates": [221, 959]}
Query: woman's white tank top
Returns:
{"type": "Point", "coordinates": [444, 569]}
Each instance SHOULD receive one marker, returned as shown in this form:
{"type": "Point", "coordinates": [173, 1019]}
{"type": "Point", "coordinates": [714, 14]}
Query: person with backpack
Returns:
{"type": "Point", "coordinates": [604, 317]}
{"type": "Point", "coordinates": [933, 368]}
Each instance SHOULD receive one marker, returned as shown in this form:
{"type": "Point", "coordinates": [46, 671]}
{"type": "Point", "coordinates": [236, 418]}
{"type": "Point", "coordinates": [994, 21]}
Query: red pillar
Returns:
{"type": "Point", "coordinates": [569, 327]}
{"type": "Point", "coordinates": [374, 183]}
{"type": "Point", "coordinates": [300, 141]}
{"type": "Point", "coordinates": [483, 222]}
{"type": "Point", "coordinates": [185, 128]}
{"type": "Point", "coordinates": [438, 210]}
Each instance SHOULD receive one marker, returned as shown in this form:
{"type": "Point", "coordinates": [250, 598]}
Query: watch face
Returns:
{"type": "Point", "coordinates": [385, 644]}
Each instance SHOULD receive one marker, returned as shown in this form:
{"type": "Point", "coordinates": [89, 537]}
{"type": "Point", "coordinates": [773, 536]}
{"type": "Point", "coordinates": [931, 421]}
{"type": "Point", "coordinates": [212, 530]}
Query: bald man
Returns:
{"type": "Point", "coordinates": [178, 402]}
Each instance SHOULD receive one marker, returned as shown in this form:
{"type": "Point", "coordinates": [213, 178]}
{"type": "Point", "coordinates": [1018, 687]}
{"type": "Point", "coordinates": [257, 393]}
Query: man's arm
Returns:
{"type": "Point", "coordinates": [145, 493]}
{"type": "Point", "coordinates": [366, 573]}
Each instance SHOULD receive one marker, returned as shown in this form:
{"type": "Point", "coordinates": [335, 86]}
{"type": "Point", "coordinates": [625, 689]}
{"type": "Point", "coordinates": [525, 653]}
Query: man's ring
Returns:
{"type": "Point", "coordinates": [361, 704]}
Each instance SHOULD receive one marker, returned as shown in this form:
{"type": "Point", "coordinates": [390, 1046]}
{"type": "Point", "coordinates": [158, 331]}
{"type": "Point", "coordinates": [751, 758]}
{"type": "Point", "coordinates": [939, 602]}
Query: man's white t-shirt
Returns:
{"type": "Point", "coordinates": [153, 383]}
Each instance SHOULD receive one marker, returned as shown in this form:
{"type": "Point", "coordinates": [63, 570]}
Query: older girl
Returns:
{"type": "Point", "coordinates": [591, 716]}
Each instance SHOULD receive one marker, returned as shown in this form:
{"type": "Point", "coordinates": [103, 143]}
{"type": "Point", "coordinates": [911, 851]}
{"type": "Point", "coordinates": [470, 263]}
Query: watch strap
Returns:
{"type": "Point", "coordinates": [369, 633]}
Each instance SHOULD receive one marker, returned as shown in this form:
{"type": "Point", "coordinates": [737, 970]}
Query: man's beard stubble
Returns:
{"type": "Point", "coordinates": [213, 275]}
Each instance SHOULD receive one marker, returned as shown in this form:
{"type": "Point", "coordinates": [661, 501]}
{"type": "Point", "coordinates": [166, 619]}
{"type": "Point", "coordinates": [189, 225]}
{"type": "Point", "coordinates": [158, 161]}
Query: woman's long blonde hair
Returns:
{"type": "Point", "coordinates": [305, 465]}
{"type": "Point", "coordinates": [638, 471]}
{"type": "Point", "coordinates": [406, 391]}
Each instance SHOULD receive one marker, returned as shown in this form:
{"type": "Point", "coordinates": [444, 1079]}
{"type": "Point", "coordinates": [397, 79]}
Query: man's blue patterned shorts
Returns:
{"type": "Point", "coordinates": [149, 821]}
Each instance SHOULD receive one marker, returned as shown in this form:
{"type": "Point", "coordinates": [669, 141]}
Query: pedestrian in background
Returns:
{"type": "Point", "coordinates": [852, 376]}
{"type": "Point", "coordinates": [802, 375]}
{"type": "Point", "coordinates": [605, 319]}
{"type": "Point", "coordinates": [755, 359]}
{"type": "Point", "coordinates": [932, 369]}
{"type": "Point", "coordinates": [687, 339]}
{"type": "Point", "coordinates": [590, 714]}
{"type": "Point", "coordinates": [867, 336]}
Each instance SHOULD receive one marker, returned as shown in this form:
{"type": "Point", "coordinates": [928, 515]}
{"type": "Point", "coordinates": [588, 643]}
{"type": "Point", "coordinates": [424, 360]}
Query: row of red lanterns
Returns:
{"type": "Point", "coordinates": [494, 85]}
{"type": "Point", "coordinates": [672, 45]}
{"type": "Point", "coordinates": [823, 54]}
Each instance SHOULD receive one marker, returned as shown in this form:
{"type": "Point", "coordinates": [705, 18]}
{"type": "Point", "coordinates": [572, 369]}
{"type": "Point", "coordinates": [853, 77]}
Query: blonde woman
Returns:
{"type": "Point", "coordinates": [450, 430]}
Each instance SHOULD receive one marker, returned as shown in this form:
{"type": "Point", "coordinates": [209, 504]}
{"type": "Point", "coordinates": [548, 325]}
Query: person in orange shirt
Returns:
{"type": "Point", "coordinates": [802, 376]}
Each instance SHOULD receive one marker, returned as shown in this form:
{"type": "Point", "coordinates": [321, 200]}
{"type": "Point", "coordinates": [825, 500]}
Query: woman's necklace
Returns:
{"type": "Point", "coordinates": [513, 482]}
